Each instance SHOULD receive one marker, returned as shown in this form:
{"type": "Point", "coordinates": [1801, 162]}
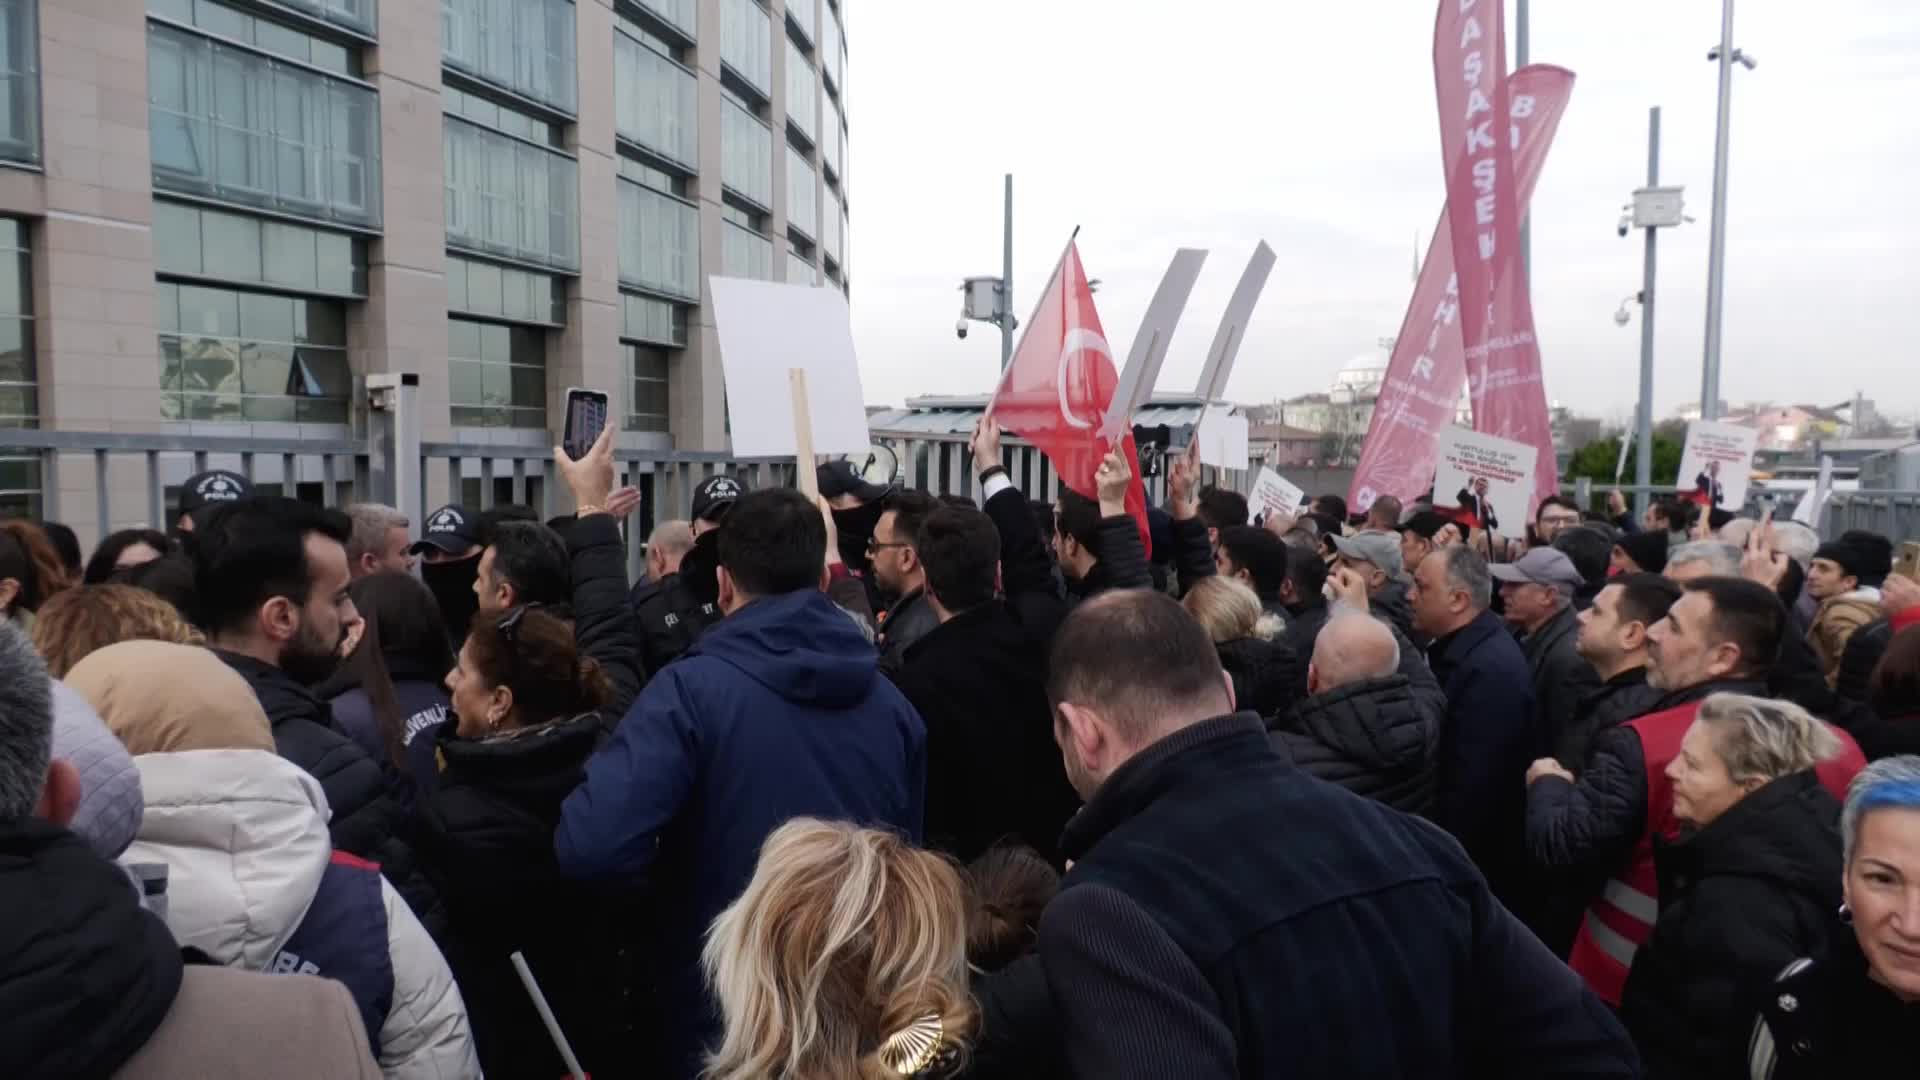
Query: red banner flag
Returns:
{"type": "Point", "coordinates": [1484, 211]}
{"type": "Point", "coordinates": [1421, 389]}
{"type": "Point", "coordinates": [1060, 383]}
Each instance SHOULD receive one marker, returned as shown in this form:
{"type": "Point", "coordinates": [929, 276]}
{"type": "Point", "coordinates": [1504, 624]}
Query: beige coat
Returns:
{"type": "Point", "coordinates": [231, 1023]}
{"type": "Point", "coordinates": [1834, 625]}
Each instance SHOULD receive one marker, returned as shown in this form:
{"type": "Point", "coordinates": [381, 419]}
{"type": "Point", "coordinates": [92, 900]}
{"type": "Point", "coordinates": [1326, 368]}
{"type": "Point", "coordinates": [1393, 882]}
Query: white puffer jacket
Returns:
{"type": "Point", "coordinates": [244, 836]}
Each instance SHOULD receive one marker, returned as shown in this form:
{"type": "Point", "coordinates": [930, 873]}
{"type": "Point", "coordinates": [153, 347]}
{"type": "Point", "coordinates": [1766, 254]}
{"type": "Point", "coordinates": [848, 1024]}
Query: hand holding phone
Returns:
{"type": "Point", "coordinates": [586, 419]}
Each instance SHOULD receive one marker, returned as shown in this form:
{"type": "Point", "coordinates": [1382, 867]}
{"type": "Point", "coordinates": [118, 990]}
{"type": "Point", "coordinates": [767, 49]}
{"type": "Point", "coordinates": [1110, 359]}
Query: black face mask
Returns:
{"type": "Point", "coordinates": [855, 526]}
{"type": "Point", "coordinates": [451, 584]}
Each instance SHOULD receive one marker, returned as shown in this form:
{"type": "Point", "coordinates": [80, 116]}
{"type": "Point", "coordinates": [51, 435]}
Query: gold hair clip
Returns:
{"type": "Point", "coordinates": [914, 1048]}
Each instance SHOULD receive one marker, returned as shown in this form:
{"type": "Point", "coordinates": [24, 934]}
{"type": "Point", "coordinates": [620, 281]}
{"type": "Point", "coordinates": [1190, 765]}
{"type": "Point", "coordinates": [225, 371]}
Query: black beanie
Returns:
{"type": "Point", "coordinates": [1867, 557]}
{"type": "Point", "coordinates": [1648, 550]}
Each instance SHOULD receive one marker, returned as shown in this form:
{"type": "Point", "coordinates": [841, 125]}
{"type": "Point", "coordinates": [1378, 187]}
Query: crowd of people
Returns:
{"type": "Point", "coordinates": [888, 784]}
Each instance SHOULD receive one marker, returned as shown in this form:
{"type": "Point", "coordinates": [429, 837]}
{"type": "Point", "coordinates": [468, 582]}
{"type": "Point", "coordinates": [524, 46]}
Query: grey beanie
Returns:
{"type": "Point", "coordinates": [111, 803]}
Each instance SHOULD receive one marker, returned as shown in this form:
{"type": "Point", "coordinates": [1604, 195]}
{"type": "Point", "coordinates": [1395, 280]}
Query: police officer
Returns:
{"type": "Point", "coordinates": [670, 613]}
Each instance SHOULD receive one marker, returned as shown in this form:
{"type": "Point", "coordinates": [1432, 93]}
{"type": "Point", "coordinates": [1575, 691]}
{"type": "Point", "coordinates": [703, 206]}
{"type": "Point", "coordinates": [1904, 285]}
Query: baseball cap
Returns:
{"type": "Point", "coordinates": [212, 486]}
{"type": "Point", "coordinates": [839, 478]}
{"type": "Point", "coordinates": [1382, 549]}
{"type": "Point", "coordinates": [714, 496]}
{"type": "Point", "coordinates": [1541, 566]}
{"type": "Point", "coordinates": [451, 529]}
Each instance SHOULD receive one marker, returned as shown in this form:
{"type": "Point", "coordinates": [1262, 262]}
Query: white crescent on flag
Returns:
{"type": "Point", "coordinates": [1077, 339]}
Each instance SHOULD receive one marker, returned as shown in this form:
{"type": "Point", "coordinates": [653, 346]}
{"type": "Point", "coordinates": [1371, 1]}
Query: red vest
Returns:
{"type": "Point", "coordinates": [1621, 918]}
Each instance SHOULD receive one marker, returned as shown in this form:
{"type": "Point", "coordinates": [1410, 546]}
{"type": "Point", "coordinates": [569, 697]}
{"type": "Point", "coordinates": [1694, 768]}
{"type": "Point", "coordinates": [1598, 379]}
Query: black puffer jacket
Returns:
{"type": "Point", "coordinates": [1860, 657]}
{"type": "Point", "coordinates": [367, 817]}
{"type": "Point", "coordinates": [86, 974]}
{"type": "Point", "coordinates": [1562, 678]}
{"type": "Point", "coordinates": [603, 626]}
{"type": "Point", "coordinates": [1304, 622]}
{"type": "Point", "coordinates": [1392, 605]}
{"type": "Point", "coordinates": [1266, 674]}
{"type": "Point", "coordinates": [1374, 738]}
{"type": "Point", "coordinates": [1739, 900]}
{"type": "Point", "coordinates": [486, 841]}
{"type": "Point", "coordinates": [1826, 1018]}
{"type": "Point", "coordinates": [1609, 705]}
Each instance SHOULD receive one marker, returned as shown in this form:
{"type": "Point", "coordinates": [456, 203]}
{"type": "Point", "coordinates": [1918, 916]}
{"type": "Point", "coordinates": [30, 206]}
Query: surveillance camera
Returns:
{"type": "Point", "coordinates": [960, 329]}
{"type": "Point", "coordinates": [1626, 226]}
{"type": "Point", "coordinates": [1621, 317]}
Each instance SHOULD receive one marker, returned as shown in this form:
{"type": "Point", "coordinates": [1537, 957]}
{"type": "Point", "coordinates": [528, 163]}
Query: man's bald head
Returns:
{"type": "Point", "coordinates": [666, 546]}
{"type": "Point", "coordinates": [1351, 648]}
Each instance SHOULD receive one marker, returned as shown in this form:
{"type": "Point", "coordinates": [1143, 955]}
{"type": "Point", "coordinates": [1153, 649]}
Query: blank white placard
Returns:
{"type": "Point", "coordinates": [767, 329]}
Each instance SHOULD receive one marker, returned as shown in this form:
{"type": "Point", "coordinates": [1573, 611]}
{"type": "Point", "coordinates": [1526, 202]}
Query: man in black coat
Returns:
{"type": "Point", "coordinates": [271, 578]}
{"type": "Point", "coordinates": [1097, 543]}
{"type": "Point", "coordinates": [1612, 639]}
{"type": "Point", "coordinates": [667, 617]}
{"type": "Point", "coordinates": [978, 678]}
{"type": "Point", "coordinates": [1364, 726]}
{"type": "Point", "coordinates": [1537, 592]}
{"type": "Point", "coordinates": [1226, 915]}
{"type": "Point", "coordinates": [901, 575]}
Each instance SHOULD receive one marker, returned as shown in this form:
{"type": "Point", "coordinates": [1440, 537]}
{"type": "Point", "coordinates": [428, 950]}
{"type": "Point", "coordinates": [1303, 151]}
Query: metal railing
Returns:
{"type": "Point", "coordinates": [1891, 513]}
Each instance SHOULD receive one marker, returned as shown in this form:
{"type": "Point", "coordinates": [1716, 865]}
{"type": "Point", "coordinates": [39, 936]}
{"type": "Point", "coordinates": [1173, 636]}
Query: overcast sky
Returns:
{"type": "Point", "coordinates": [1217, 123]}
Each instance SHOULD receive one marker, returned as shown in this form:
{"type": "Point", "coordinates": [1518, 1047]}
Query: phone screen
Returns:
{"type": "Point", "coordinates": [586, 419]}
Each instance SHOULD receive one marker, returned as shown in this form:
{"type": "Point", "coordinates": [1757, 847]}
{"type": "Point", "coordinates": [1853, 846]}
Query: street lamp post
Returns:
{"type": "Point", "coordinates": [1727, 56]}
{"type": "Point", "coordinates": [1653, 208]}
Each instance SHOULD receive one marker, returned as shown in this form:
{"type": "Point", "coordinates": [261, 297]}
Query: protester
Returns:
{"type": "Point", "coordinates": [1845, 579]}
{"type": "Point", "coordinates": [1555, 515]}
{"type": "Point", "coordinates": [845, 956]}
{"type": "Point", "coordinates": [1303, 599]}
{"type": "Point", "coordinates": [1257, 559]}
{"type": "Point", "coordinates": [171, 579]}
{"type": "Point", "coordinates": [1858, 660]}
{"type": "Point", "coordinates": [1423, 533]}
{"type": "Point", "coordinates": [203, 492]}
{"type": "Point", "coordinates": [1639, 553]}
{"type": "Point", "coordinates": [272, 577]}
{"type": "Point", "coordinates": [379, 540]}
{"type": "Point", "coordinates": [391, 701]}
{"type": "Point", "coordinates": [449, 554]}
{"type": "Point", "coordinates": [66, 544]}
{"type": "Point", "coordinates": [1375, 556]}
{"type": "Point", "coordinates": [1221, 508]}
{"type": "Point", "coordinates": [252, 880]}
{"type": "Point", "coordinates": [1363, 727]}
{"type": "Point", "coordinates": [667, 616]}
{"type": "Point", "coordinates": [1850, 1012]}
{"type": "Point", "coordinates": [1331, 507]}
{"type": "Point", "coordinates": [110, 808]}
{"type": "Point", "coordinates": [90, 983]}
{"type": "Point", "coordinates": [857, 504]}
{"type": "Point", "coordinates": [1193, 540]}
{"type": "Point", "coordinates": [1890, 726]}
{"type": "Point", "coordinates": [1538, 595]}
{"type": "Point", "coordinates": [978, 679]}
{"type": "Point", "coordinates": [1750, 885]}
{"type": "Point", "coordinates": [1265, 672]}
{"type": "Point", "coordinates": [524, 702]}
{"type": "Point", "coordinates": [1590, 549]}
{"type": "Point", "coordinates": [1096, 543]}
{"type": "Point", "coordinates": [81, 621]}
{"type": "Point", "coordinates": [1266, 918]}
{"type": "Point", "coordinates": [1721, 636]}
{"type": "Point", "coordinates": [900, 575]}
{"type": "Point", "coordinates": [1612, 639]}
{"type": "Point", "coordinates": [124, 550]}
{"type": "Point", "coordinates": [523, 562]}
{"type": "Point", "coordinates": [30, 571]}
{"type": "Point", "coordinates": [1488, 735]}
{"type": "Point", "coordinates": [1384, 514]}
{"type": "Point", "coordinates": [1019, 1034]}
{"type": "Point", "coordinates": [1702, 558]}
{"type": "Point", "coordinates": [777, 711]}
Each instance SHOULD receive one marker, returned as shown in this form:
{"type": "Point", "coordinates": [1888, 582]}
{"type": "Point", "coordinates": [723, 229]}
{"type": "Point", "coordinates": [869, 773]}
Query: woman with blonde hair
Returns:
{"type": "Point", "coordinates": [846, 957]}
{"type": "Point", "coordinates": [1266, 673]}
{"type": "Point", "coordinates": [1751, 883]}
{"type": "Point", "coordinates": [80, 621]}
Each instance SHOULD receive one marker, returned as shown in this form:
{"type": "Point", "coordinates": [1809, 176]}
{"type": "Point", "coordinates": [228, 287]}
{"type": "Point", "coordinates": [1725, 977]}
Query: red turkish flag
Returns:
{"type": "Point", "coordinates": [1056, 392]}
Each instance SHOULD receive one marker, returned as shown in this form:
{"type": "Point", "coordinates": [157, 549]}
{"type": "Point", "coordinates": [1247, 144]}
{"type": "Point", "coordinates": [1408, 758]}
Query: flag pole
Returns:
{"type": "Point", "coordinates": [1062, 261]}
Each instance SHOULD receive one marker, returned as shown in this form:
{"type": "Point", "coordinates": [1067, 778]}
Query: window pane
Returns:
{"type": "Point", "coordinates": [496, 374]}
{"type": "Point", "coordinates": [232, 245]}
{"type": "Point", "coordinates": [656, 101]}
{"type": "Point", "coordinates": [746, 42]}
{"type": "Point", "coordinates": [237, 358]}
{"type": "Point", "coordinates": [746, 151]}
{"type": "Point", "coordinates": [745, 253]}
{"type": "Point", "coordinates": [237, 126]}
{"type": "Point", "coordinates": [803, 93]}
{"type": "Point", "coordinates": [19, 82]}
{"type": "Point", "coordinates": [526, 46]}
{"type": "Point", "coordinates": [266, 318]}
{"type": "Point", "coordinates": [659, 241]}
{"type": "Point", "coordinates": [292, 257]}
{"type": "Point", "coordinates": [509, 198]}
{"type": "Point", "coordinates": [16, 350]}
{"type": "Point", "coordinates": [803, 211]}
{"type": "Point", "coordinates": [176, 238]}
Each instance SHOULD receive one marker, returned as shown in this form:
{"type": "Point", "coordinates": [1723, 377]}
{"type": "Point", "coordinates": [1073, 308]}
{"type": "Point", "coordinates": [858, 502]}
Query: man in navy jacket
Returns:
{"type": "Point", "coordinates": [778, 711]}
{"type": "Point", "coordinates": [1489, 736]}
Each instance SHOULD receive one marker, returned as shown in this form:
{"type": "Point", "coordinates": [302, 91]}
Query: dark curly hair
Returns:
{"type": "Point", "coordinates": [532, 653]}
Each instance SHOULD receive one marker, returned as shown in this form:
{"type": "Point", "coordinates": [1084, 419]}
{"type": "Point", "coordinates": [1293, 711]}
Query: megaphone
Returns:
{"type": "Point", "coordinates": [876, 464]}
